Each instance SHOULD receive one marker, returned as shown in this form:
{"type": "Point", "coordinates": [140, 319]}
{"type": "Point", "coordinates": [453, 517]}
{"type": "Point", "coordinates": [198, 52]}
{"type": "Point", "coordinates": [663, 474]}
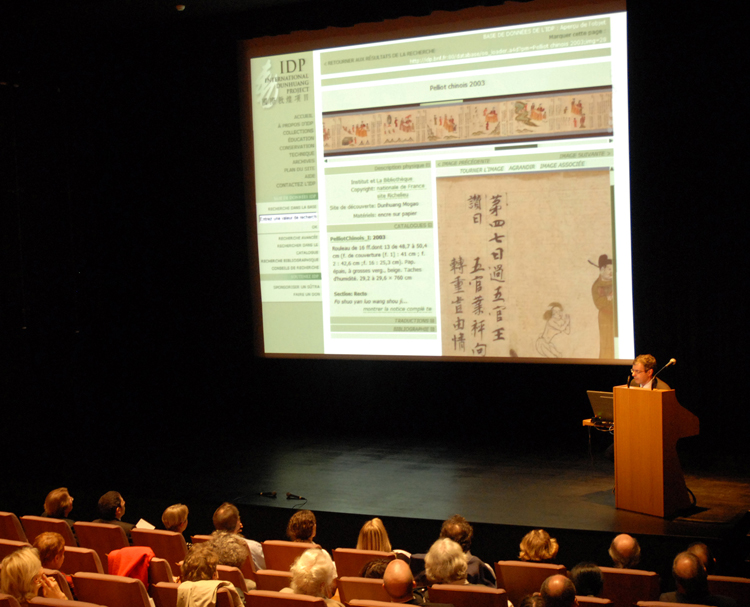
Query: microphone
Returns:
{"type": "Point", "coordinates": [291, 496]}
{"type": "Point", "coordinates": [268, 494]}
{"type": "Point", "coordinates": [672, 361]}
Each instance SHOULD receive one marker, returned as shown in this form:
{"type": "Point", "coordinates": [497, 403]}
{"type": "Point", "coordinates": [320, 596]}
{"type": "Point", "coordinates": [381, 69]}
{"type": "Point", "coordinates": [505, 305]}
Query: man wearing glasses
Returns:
{"type": "Point", "coordinates": [643, 374]}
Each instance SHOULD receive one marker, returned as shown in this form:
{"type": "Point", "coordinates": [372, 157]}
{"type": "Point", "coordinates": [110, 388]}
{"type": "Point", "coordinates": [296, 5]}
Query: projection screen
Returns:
{"type": "Point", "coordinates": [462, 194]}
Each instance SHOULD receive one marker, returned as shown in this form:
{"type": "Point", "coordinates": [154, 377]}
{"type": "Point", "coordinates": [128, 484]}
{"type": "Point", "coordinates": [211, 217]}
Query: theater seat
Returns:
{"type": "Point", "coordinates": [280, 554]}
{"type": "Point", "coordinates": [349, 561]}
{"type": "Point", "coordinates": [468, 596]}
{"type": "Point", "coordinates": [81, 559]}
{"type": "Point", "coordinates": [168, 545]}
{"type": "Point", "coordinates": [9, 546]}
{"type": "Point", "coordinates": [61, 603]}
{"type": "Point", "coordinates": [625, 587]}
{"type": "Point", "coordinates": [361, 588]}
{"type": "Point", "coordinates": [8, 601]}
{"type": "Point", "coordinates": [592, 600]}
{"type": "Point", "coordinates": [110, 590]}
{"type": "Point", "coordinates": [232, 575]}
{"type": "Point", "coordinates": [165, 595]}
{"type": "Point", "coordinates": [266, 598]}
{"type": "Point", "coordinates": [102, 537]}
{"type": "Point", "coordinates": [10, 528]}
{"type": "Point", "coordinates": [270, 579]}
{"type": "Point", "coordinates": [35, 525]}
{"type": "Point", "coordinates": [737, 588]}
{"type": "Point", "coordinates": [520, 578]}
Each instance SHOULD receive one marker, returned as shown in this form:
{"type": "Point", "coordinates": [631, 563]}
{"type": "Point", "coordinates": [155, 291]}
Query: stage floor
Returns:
{"type": "Point", "coordinates": [431, 482]}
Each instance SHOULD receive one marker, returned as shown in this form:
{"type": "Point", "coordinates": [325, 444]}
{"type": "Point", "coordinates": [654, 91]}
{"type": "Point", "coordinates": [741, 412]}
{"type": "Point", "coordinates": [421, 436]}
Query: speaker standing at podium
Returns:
{"type": "Point", "coordinates": [642, 371]}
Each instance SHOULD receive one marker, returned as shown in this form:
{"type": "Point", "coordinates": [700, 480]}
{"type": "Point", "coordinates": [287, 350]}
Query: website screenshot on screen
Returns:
{"type": "Point", "coordinates": [461, 195]}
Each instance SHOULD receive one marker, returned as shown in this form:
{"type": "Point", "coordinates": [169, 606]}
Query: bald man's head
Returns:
{"type": "Point", "coordinates": [625, 551]}
{"type": "Point", "coordinates": [689, 574]}
{"type": "Point", "coordinates": [559, 591]}
{"type": "Point", "coordinates": [398, 581]}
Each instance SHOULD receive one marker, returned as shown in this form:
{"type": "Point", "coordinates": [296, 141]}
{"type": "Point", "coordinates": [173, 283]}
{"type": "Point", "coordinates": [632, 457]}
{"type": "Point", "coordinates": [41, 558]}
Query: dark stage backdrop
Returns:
{"type": "Point", "coordinates": [126, 306]}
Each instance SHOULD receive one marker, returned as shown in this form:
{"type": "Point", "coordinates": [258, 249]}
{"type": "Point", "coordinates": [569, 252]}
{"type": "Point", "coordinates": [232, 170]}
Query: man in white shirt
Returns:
{"type": "Point", "coordinates": [227, 518]}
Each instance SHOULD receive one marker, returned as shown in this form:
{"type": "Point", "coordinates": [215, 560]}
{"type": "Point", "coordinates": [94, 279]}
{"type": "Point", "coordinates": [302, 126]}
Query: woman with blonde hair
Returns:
{"type": "Point", "coordinates": [175, 518]}
{"type": "Point", "coordinates": [373, 536]}
{"type": "Point", "coordinates": [21, 577]}
{"type": "Point", "coordinates": [538, 546]}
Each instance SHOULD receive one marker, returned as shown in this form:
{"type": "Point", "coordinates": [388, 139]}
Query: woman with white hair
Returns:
{"type": "Point", "coordinates": [446, 563]}
{"type": "Point", "coordinates": [22, 577]}
{"type": "Point", "coordinates": [314, 574]}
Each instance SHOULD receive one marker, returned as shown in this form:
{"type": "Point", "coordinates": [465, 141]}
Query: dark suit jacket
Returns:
{"type": "Point", "coordinates": [126, 527]}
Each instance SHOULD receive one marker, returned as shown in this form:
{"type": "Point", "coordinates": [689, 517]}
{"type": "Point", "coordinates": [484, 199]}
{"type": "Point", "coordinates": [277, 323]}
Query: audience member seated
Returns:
{"type": "Point", "coordinates": [373, 536]}
{"type": "Point", "coordinates": [458, 529]}
{"type": "Point", "coordinates": [313, 574]}
{"type": "Point", "coordinates": [374, 569]}
{"type": "Point", "coordinates": [58, 504]}
{"type": "Point", "coordinates": [227, 518]}
{"type": "Point", "coordinates": [692, 584]}
{"type": "Point", "coordinates": [532, 600]}
{"type": "Point", "coordinates": [51, 549]}
{"type": "Point", "coordinates": [21, 577]}
{"type": "Point", "coordinates": [703, 553]}
{"type": "Point", "coordinates": [446, 563]}
{"type": "Point", "coordinates": [302, 527]}
{"type": "Point", "coordinates": [199, 579]}
{"type": "Point", "coordinates": [625, 552]}
{"type": "Point", "coordinates": [175, 518]}
{"type": "Point", "coordinates": [232, 551]}
{"type": "Point", "coordinates": [400, 586]}
{"type": "Point", "coordinates": [558, 591]}
{"type": "Point", "coordinates": [588, 579]}
{"type": "Point", "coordinates": [111, 509]}
{"type": "Point", "coordinates": [538, 546]}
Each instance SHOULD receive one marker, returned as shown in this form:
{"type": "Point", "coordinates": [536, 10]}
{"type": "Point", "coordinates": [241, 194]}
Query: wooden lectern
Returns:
{"type": "Point", "coordinates": [648, 476]}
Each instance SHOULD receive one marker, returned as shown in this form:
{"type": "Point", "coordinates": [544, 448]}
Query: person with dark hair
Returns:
{"type": "Point", "coordinates": [532, 600]}
{"type": "Point", "coordinates": [558, 591]}
{"type": "Point", "coordinates": [374, 568]}
{"type": "Point", "coordinates": [602, 292]}
{"type": "Point", "coordinates": [587, 578]}
{"type": "Point", "coordinates": [111, 509]}
{"type": "Point", "coordinates": [302, 527]}
{"type": "Point", "coordinates": [692, 584]}
{"type": "Point", "coordinates": [644, 367]}
{"type": "Point", "coordinates": [227, 518]}
{"type": "Point", "coordinates": [458, 529]}
{"type": "Point", "coordinates": [625, 551]}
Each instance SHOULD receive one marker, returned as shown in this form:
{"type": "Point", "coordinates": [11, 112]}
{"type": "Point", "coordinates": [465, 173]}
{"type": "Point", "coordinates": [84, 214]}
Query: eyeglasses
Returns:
{"type": "Point", "coordinates": [636, 371]}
